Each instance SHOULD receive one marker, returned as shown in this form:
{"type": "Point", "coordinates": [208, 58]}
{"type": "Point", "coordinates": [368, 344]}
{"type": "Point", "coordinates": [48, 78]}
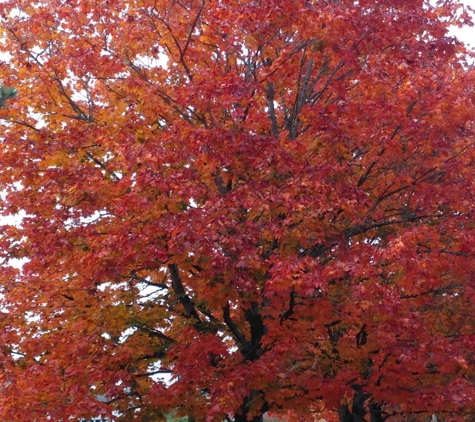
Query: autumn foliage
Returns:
{"type": "Point", "coordinates": [233, 207]}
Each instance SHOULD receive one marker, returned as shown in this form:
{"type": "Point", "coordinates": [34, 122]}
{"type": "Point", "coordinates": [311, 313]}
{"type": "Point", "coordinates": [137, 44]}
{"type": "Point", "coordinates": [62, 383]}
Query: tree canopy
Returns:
{"type": "Point", "coordinates": [233, 207]}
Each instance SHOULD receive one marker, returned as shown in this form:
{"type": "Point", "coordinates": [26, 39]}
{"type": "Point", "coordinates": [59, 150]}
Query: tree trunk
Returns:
{"type": "Point", "coordinates": [359, 410]}
{"type": "Point", "coordinates": [376, 414]}
{"type": "Point", "coordinates": [243, 418]}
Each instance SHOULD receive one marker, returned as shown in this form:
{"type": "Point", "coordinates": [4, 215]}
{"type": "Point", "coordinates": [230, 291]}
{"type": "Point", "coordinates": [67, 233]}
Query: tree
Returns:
{"type": "Point", "coordinates": [233, 207]}
{"type": "Point", "coordinates": [6, 93]}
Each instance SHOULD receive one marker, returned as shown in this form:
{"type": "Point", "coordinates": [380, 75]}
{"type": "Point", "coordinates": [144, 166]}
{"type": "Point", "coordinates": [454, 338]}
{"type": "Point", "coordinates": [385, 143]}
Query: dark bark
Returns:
{"type": "Point", "coordinates": [344, 414]}
{"type": "Point", "coordinates": [258, 329]}
{"type": "Point", "coordinates": [376, 414]}
{"type": "Point", "coordinates": [184, 299]}
{"type": "Point", "coordinates": [245, 347]}
{"type": "Point", "coordinates": [271, 110]}
{"type": "Point", "coordinates": [239, 418]}
{"type": "Point", "coordinates": [251, 350]}
{"type": "Point", "coordinates": [242, 416]}
{"type": "Point", "coordinates": [360, 409]}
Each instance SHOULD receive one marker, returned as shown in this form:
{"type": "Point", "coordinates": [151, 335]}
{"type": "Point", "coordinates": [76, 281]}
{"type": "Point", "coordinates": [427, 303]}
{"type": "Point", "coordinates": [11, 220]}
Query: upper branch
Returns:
{"type": "Point", "coordinates": [177, 286]}
{"type": "Point", "coordinates": [235, 329]}
{"type": "Point", "coordinates": [271, 110]}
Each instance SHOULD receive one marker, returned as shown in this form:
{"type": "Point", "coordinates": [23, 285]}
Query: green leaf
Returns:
{"type": "Point", "coordinates": [7, 93]}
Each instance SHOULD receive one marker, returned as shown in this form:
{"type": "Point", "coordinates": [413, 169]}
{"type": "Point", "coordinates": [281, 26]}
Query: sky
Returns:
{"type": "Point", "coordinates": [466, 34]}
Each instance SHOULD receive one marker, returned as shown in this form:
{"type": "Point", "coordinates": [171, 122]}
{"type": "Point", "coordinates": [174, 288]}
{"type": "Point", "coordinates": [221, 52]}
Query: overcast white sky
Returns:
{"type": "Point", "coordinates": [467, 34]}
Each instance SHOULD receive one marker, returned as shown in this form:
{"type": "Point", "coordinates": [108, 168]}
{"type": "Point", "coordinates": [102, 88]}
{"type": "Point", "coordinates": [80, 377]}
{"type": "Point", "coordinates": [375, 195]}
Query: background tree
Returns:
{"type": "Point", "coordinates": [272, 201]}
{"type": "Point", "coordinates": [6, 93]}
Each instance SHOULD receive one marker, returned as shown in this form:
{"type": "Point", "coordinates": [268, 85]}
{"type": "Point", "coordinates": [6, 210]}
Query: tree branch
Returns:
{"type": "Point", "coordinates": [102, 166]}
{"type": "Point", "coordinates": [271, 109]}
{"type": "Point", "coordinates": [160, 335]}
{"type": "Point", "coordinates": [149, 374]}
{"type": "Point", "coordinates": [287, 314]}
{"type": "Point", "coordinates": [234, 329]}
{"type": "Point", "coordinates": [362, 228]}
{"type": "Point", "coordinates": [135, 277]}
{"type": "Point", "coordinates": [177, 286]}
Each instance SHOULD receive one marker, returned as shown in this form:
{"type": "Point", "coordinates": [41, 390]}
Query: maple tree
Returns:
{"type": "Point", "coordinates": [233, 207]}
